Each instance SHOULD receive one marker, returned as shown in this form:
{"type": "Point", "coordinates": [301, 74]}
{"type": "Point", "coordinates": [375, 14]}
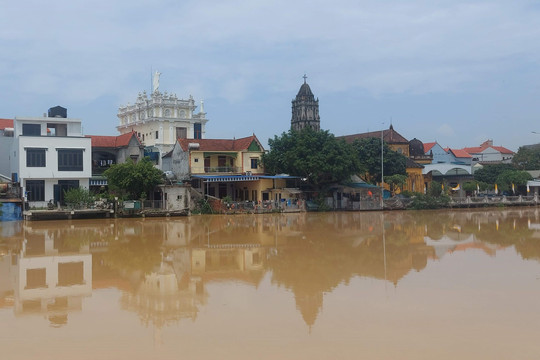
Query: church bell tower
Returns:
{"type": "Point", "coordinates": [305, 109]}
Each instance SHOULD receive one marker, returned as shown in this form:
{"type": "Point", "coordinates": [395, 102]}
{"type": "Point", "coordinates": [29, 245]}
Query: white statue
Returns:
{"type": "Point", "coordinates": [155, 81]}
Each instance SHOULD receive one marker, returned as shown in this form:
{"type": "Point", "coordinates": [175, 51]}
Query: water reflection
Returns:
{"type": "Point", "coordinates": [163, 266]}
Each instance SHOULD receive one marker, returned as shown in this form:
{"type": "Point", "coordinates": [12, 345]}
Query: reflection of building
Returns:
{"type": "Point", "coordinates": [163, 297]}
{"type": "Point", "coordinates": [50, 276]}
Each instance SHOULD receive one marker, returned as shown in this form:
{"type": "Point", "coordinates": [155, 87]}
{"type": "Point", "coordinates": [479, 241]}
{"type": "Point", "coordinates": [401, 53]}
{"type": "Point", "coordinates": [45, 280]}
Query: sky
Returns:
{"type": "Point", "coordinates": [456, 72]}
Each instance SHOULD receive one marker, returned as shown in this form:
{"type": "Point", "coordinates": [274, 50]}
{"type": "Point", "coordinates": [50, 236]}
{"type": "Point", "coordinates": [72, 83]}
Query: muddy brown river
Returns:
{"type": "Point", "coordinates": [355, 285]}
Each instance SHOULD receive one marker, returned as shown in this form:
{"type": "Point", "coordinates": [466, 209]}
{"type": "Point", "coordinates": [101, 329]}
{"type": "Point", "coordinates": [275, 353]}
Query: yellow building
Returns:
{"type": "Point", "coordinates": [227, 168]}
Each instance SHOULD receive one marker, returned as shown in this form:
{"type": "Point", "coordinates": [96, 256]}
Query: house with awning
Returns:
{"type": "Point", "coordinates": [226, 168]}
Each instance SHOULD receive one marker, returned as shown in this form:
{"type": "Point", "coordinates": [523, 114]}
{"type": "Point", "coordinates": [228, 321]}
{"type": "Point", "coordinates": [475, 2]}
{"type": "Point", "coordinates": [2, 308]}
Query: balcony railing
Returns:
{"type": "Point", "coordinates": [222, 169]}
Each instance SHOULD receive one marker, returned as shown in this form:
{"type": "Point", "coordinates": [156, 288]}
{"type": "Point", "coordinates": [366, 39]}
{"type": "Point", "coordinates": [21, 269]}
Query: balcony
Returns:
{"type": "Point", "coordinates": [222, 170]}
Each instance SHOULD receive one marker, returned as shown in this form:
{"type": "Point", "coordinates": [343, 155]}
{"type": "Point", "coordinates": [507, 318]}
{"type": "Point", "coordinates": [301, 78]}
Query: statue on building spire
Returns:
{"type": "Point", "coordinates": [155, 81]}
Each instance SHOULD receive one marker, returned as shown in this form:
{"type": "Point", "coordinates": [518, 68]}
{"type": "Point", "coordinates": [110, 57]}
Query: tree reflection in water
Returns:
{"type": "Point", "coordinates": [163, 266]}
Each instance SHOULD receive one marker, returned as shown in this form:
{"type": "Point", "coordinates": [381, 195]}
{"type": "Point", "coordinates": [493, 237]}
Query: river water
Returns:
{"type": "Point", "coordinates": [362, 285]}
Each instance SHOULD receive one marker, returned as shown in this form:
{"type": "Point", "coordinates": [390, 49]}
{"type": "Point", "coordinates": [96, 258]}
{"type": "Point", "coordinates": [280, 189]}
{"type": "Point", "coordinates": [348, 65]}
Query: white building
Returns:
{"type": "Point", "coordinates": [50, 155]}
{"type": "Point", "coordinates": [162, 118]}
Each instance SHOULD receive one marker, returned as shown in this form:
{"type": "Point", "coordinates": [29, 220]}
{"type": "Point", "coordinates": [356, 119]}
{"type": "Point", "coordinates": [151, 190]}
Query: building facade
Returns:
{"type": "Point", "coordinates": [49, 156]}
{"type": "Point", "coordinates": [305, 109]}
{"type": "Point", "coordinates": [110, 150]}
{"type": "Point", "coordinates": [161, 118]}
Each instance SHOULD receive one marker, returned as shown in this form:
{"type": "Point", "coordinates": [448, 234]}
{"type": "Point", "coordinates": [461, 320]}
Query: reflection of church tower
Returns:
{"type": "Point", "coordinates": [305, 109]}
{"type": "Point", "coordinates": [309, 306]}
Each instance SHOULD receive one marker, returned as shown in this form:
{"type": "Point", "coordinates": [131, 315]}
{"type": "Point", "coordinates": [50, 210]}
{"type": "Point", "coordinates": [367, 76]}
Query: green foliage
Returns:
{"type": "Point", "coordinates": [78, 197]}
{"type": "Point", "coordinates": [203, 207]}
{"type": "Point", "coordinates": [133, 179]}
{"type": "Point", "coordinates": [527, 158]}
{"type": "Point", "coordinates": [507, 178]}
{"type": "Point", "coordinates": [396, 181]}
{"type": "Point", "coordinates": [470, 186]}
{"type": "Point", "coordinates": [369, 154]}
{"type": "Point", "coordinates": [436, 190]}
{"type": "Point", "coordinates": [227, 199]}
{"type": "Point", "coordinates": [489, 173]}
{"type": "Point", "coordinates": [314, 155]}
{"type": "Point", "coordinates": [421, 201]}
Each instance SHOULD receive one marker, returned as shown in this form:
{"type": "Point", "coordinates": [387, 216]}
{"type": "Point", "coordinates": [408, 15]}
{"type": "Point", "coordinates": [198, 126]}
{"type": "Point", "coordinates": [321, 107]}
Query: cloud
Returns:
{"type": "Point", "coordinates": [244, 51]}
{"type": "Point", "coordinates": [446, 130]}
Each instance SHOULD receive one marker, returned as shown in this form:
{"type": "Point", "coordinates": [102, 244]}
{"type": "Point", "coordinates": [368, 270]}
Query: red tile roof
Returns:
{"type": "Point", "coordinates": [390, 136]}
{"type": "Point", "coordinates": [474, 149]}
{"type": "Point", "coordinates": [503, 150]}
{"type": "Point", "coordinates": [6, 123]}
{"type": "Point", "coordinates": [460, 153]}
{"type": "Point", "coordinates": [220, 144]}
{"type": "Point", "coordinates": [429, 146]}
{"type": "Point", "coordinates": [479, 149]}
{"type": "Point", "coordinates": [112, 141]}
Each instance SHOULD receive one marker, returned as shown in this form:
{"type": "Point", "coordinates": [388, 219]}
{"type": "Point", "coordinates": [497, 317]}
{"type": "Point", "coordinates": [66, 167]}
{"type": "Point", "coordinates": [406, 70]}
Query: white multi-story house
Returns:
{"type": "Point", "coordinates": [49, 156]}
{"type": "Point", "coordinates": [160, 119]}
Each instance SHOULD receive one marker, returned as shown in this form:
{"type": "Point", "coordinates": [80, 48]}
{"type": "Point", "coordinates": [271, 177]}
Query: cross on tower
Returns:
{"type": "Point", "coordinates": [305, 77]}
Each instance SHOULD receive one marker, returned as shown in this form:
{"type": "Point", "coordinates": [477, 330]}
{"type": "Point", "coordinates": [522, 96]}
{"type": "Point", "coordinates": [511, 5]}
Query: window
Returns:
{"type": "Point", "coordinates": [70, 273]}
{"type": "Point", "coordinates": [70, 159]}
{"type": "Point", "coordinates": [181, 133]}
{"type": "Point", "coordinates": [197, 131]}
{"type": "Point", "coordinates": [35, 157]}
{"type": "Point", "coordinates": [157, 134]}
{"type": "Point", "coordinates": [196, 160]}
{"type": "Point", "coordinates": [254, 163]}
{"type": "Point", "coordinates": [35, 190]}
{"type": "Point", "coordinates": [36, 278]}
{"type": "Point", "coordinates": [222, 161]}
{"type": "Point", "coordinates": [31, 130]}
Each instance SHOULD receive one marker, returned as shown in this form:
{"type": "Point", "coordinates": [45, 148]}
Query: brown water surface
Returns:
{"type": "Point", "coordinates": [394, 285]}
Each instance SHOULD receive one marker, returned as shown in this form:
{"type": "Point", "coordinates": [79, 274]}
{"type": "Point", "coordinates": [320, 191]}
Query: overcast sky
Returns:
{"type": "Point", "coordinates": [456, 72]}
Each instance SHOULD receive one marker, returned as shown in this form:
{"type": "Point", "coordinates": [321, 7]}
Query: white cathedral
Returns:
{"type": "Point", "coordinates": [162, 118]}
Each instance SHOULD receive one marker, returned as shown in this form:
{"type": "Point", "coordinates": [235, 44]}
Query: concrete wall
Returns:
{"type": "Point", "coordinates": [180, 162]}
{"type": "Point", "coordinates": [6, 143]}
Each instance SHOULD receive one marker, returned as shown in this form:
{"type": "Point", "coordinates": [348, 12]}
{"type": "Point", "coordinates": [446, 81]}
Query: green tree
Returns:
{"type": "Point", "coordinates": [133, 179]}
{"type": "Point", "coordinates": [396, 181]}
{"type": "Point", "coordinates": [470, 186]}
{"type": "Point", "coordinates": [78, 197]}
{"type": "Point", "coordinates": [489, 173]}
{"type": "Point", "coordinates": [314, 155]}
{"type": "Point", "coordinates": [369, 154]}
{"type": "Point", "coordinates": [507, 178]}
{"type": "Point", "coordinates": [527, 158]}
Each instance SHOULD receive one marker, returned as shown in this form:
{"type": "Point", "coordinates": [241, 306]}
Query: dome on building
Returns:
{"type": "Point", "coordinates": [416, 147]}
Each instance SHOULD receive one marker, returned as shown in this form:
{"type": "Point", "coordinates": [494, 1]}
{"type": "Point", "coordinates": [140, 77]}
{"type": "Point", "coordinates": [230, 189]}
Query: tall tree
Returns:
{"type": "Point", "coordinates": [314, 155]}
{"type": "Point", "coordinates": [489, 173]}
{"type": "Point", "coordinates": [133, 179]}
{"type": "Point", "coordinates": [369, 154]}
{"type": "Point", "coordinates": [527, 158]}
{"type": "Point", "coordinates": [517, 177]}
